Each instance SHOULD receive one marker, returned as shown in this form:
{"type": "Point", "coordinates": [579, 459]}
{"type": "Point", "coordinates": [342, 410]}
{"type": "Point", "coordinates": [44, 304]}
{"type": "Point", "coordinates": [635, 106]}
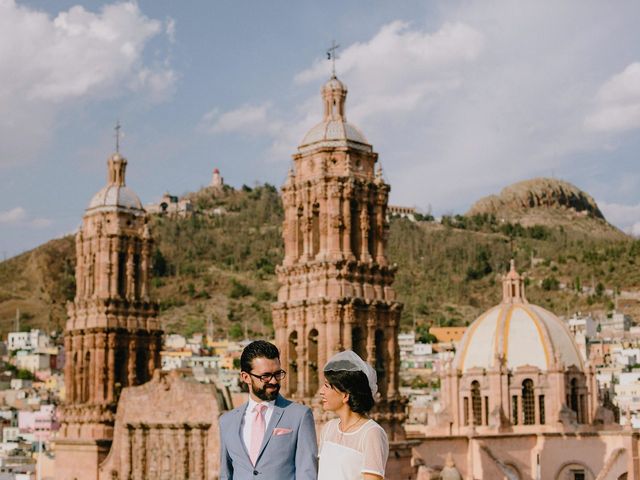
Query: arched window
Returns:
{"type": "Point", "coordinates": [381, 359]}
{"type": "Point", "coordinates": [312, 364]}
{"type": "Point", "coordinates": [574, 398]}
{"type": "Point", "coordinates": [476, 402]}
{"type": "Point", "coordinates": [355, 229]}
{"type": "Point", "coordinates": [315, 230]}
{"type": "Point", "coordinates": [293, 362]}
{"type": "Point", "coordinates": [86, 394]}
{"type": "Point", "coordinates": [357, 342]}
{"type": "Point", "coordinates": [299, 233]}
{"type": "Point", "coordinates": [528, 403]}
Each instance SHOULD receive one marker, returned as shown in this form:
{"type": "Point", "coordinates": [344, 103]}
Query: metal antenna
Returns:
{"type": "Point", "coordinates": [117, 129]}
{"type": "Point", "coordinates": [331, 55]}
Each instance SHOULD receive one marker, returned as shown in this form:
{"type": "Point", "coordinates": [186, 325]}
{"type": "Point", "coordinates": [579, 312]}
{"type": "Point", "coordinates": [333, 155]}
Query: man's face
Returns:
{"type": "Point", "coordinates": [262, 391]}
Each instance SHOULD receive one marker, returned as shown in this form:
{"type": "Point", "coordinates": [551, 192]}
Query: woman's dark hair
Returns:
{"type": "Point", "coordinates": [257, 349]}
{"type": "Point", "coordinates": [355, 384]}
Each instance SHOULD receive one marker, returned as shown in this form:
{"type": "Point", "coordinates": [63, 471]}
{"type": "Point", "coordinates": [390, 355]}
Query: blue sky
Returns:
{"type": "Point", "coordinates": [459, 98]}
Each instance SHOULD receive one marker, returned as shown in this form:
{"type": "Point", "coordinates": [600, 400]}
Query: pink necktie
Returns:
{"type": "Point", "coordinates": [257, 432]}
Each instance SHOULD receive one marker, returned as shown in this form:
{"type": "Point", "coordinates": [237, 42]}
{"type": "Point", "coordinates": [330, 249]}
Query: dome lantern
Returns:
{"type": "Point", "coordinates": [513, 286]}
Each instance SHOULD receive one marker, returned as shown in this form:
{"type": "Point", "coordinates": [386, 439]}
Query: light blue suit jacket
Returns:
{"type": "Point", "coordinates": [290, 456]}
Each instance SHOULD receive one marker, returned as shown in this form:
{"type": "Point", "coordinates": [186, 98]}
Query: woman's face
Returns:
{"type": "Point", "coordinates": [332, 399]}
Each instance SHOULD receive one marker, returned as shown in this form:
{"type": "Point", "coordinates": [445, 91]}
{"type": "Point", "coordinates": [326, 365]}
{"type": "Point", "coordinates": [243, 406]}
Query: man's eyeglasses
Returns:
{"type": "Point", "coordinates": [266, 377]}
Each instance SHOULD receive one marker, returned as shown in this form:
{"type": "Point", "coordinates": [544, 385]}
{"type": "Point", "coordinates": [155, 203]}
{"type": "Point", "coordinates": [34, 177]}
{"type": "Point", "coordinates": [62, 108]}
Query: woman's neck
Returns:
{"type": "Point", "coordinates": [348, 418]}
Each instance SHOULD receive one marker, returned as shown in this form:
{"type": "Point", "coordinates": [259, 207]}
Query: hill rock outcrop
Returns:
{"type": "Point", "coordinates": [520, 201]}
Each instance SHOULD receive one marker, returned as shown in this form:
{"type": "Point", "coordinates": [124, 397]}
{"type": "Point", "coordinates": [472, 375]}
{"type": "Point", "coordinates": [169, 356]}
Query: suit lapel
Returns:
{"type": "Point", "coordinates": [278, 410]}
{"type": "Point", "coordinates": [241, 414]}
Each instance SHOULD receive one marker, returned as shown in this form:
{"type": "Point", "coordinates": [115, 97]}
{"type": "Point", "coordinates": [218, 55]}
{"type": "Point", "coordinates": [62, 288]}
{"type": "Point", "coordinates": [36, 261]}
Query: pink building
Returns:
{"type": "Point", "coordinates": [41, 423]}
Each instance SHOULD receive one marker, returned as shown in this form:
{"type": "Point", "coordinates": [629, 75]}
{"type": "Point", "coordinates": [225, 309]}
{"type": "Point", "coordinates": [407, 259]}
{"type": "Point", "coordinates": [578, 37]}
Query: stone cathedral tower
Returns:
{"type": "Point", "coordinates": [112, 337]}
{"type": "Point", "coordinates": [335, 281]}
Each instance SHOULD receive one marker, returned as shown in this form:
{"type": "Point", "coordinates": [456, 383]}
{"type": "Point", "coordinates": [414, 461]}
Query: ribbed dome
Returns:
{"type": "Point", "coordinates": [517, 332]}
{"type": "Point", "coordinates": [334, 130]}
{"type": "Point", "coordinates": [115, 194]}
{"type": "Point", "coordinates": [335, 133]}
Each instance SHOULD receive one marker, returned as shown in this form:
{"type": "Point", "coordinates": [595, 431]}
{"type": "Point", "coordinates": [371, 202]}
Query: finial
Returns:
{"type": "Point", "coordinates": [331, 55]}
{"type": "Point", "coordinates": [379, 172]}
{"type": "Point", "coordinates": [117, 135]}
{"type": "Point", "coordinates": [512, 265]}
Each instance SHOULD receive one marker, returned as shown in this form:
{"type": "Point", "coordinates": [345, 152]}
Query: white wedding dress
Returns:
{"type": "Point", "coordinates": [346, 456]}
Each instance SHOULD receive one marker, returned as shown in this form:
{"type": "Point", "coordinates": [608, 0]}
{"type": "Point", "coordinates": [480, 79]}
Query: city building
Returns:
{"type": "Point", "coordinates": [519, 402]}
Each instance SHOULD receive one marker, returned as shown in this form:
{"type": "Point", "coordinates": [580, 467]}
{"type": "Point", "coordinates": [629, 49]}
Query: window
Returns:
{"type": "Point", "coordinates": [578, 475]}
{"type": "Point", "coordinates": [486, 410]}
{"type": "Point", "coordinates": [573, 397]}
{"type": "Point", "coordinates": [514, 409]}
{"type": "Point", "coordinates": [541, 409]}
{"type": "Point", "coordinates": [476, 402]}
{"type": "Point", "coordinates": [466, 410]}
{"type": "Point", "coordinates": [528, 402]}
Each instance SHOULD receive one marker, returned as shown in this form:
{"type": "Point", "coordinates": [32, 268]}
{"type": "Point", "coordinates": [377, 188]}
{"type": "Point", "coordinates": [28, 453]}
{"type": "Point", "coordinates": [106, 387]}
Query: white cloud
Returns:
{"type": "Point", "coordinates": [18, 217]}
{"type": "Point", "coordinates": [618, 102]}
{"type": "Point", "coordinates": [78, 55]}
{"type": "Point", "coordinates": [400, 66]}
{"type": "Point", "coordinates": [14, 215]}
{"type": "Point", "coordinates": [247, 119]}
{"type": "Point", "coordinates": [625, 217]}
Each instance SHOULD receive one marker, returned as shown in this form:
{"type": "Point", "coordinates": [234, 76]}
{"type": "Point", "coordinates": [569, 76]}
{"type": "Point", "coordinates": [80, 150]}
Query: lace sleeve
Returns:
{"type": "Point", "coordinates": [376, 451]}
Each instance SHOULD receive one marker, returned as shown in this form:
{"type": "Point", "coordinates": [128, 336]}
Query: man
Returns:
{"type": "Point", "coordinates": [269, 437]}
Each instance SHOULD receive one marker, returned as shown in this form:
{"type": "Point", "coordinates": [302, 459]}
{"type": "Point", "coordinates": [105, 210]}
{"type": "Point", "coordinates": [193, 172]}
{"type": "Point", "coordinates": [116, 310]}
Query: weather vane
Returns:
{"type": "Point", "coordinates": [117, 135]}
{"type": "Point", "coordinates": [331, 55]}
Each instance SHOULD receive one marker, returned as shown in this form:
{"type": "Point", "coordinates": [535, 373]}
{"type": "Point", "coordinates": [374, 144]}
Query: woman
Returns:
{"type": "Point", "coordinates": [352, 446]}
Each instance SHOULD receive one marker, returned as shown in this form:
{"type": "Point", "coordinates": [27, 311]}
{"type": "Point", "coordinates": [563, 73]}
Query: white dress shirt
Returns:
{"type": "Point", "coordinates": [248, 419]}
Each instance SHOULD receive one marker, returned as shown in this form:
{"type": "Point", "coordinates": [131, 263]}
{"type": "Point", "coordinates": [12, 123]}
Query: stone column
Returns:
{"type": "Point", "coordinates": [346, 226]}
{"type": "Point", "coordinates": [153, 353]}
{"type": "Point", "coordinates": [126, 453]}
{"type": "Point", "coordinates": [198, 451]}
{"type": "Point", "coordinates": [111, 366]}
{"type": "Point", "coordinates": [131, 359]}
{"type": "Point", "coordinates": [140, 460]}
{"type": "Point", "coordinates": [145, 264]}
{"type": "Point", "coordinates": [77, 366]}
{"type": "Point", "coordinates": [322, 342]}
{"type": "Point", "coordinates": [69, 368]}
{"type": "Point", "coordinates": [393, 357]}
{"type": "Point", "coordinates": [130, 278]}
{"type": "Point", "coordinates": [115, 265]}
{"type": "Point", "coordinates": [365, 255]}
{"type": "Point", "coordinates": [371, 338]}
{"type": "Point", "coordinates": [100, 364]}
{"type": "Point", "coordinates": [89, 369]}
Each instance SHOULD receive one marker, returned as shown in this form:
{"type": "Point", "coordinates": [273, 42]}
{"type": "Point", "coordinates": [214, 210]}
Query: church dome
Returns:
{"type": "Point", "coordinates": [334, 130]}
{"type": "Point", "coordinates": [116, 194]}
{"type": "Point", "coordinates": [517, 332]}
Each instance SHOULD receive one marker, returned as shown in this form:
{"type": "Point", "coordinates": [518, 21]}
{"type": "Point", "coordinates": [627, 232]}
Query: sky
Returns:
{"type": "Point", "coordinates": [459, 98]}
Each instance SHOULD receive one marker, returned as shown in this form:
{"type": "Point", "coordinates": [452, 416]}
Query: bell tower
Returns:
{"type": "Point", "coordinates": [112, 337]}
{"type": "Point", "coordinates": [335, 281]}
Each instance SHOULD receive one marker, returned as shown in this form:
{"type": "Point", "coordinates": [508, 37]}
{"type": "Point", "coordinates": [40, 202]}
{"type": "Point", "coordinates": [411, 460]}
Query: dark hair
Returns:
{"type": "Point", "coordinates": [355, 384]}
{"type": "Point", "coordinates": [257, 349]}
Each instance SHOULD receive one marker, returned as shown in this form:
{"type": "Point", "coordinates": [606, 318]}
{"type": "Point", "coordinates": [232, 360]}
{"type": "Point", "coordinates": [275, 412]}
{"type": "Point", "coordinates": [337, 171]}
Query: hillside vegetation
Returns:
{"type": "Point", "coordinates": [220, 267]}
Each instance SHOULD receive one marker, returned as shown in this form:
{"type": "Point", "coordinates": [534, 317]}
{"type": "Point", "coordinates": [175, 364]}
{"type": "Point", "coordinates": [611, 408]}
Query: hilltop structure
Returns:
{"type": "Point", "coordinates": [216, 179]}
{"type": "Point", "coordinates": [518, 402]}
{"type": "Point", "coordinates": [335, 280]}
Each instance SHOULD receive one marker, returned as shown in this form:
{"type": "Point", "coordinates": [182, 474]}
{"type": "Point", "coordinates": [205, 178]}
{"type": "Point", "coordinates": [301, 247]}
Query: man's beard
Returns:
{"type": "Point", "coordinates": [267, 393]}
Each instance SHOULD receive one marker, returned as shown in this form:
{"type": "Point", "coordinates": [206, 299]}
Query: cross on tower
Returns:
{"type": "Point", "coordinates": [117, 135]}
{"type": "Point", "coordinates": [331, 55]}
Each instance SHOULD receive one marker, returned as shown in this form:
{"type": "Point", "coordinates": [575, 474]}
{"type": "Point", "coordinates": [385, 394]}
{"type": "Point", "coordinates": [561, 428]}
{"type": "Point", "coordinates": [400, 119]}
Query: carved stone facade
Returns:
{"type": "Point", "coordinates": [177, 439]}
{"type": "Point", "coordinates": [335, 281]}
{"type": "Point", "coordinates": [112, 338]}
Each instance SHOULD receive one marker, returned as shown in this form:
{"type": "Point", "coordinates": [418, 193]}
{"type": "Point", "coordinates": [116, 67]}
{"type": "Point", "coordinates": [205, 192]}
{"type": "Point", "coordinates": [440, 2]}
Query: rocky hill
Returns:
{"type": "Point", "coordinates": [545, 201]}
{"type": "Point", "coordinates": [221, 266]}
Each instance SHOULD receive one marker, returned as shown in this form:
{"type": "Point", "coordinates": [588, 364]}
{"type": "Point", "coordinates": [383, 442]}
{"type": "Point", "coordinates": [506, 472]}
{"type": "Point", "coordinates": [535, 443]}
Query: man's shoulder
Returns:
{"type": "Point", "coordinates": [230, 415]}
{"type": "Point", "coordinates": [292, 407]}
